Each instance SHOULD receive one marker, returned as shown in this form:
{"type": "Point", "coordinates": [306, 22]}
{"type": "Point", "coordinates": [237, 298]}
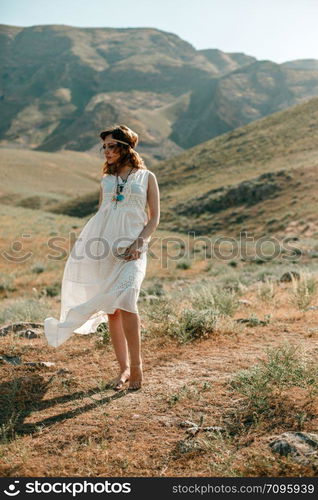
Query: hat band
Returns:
{"type": "Point", "coordinates": [117, 140]}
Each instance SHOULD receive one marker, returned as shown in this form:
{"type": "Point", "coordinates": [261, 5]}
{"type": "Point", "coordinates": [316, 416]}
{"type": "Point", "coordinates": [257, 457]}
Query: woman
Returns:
{"type": "Point", "coordinates": [106, 286]}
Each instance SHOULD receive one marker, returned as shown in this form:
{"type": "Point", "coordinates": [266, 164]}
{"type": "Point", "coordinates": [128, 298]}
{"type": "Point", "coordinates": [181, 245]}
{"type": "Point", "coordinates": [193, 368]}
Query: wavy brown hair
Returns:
{"type": "Point", "coordinates": [128, 156]}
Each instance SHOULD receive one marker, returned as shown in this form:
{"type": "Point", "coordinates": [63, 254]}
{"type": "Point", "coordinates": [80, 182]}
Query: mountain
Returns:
{"type": "Point", "coordinates": [307, 64]}
{"type": "Point", "coordinates": [226, 62]}
{"type": "Point", "coordinates": [244, 95]}
{"type": "Point", "coordinates": [61, 85]}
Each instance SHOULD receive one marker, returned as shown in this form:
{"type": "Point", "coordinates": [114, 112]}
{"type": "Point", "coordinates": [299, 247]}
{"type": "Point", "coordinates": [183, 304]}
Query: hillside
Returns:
{"type": "Point", "coordinates": [61, 85]}
{"type": "Point", "coordinates": [37, 179]}
{"type": "Point", "coordinates": [261, 177]}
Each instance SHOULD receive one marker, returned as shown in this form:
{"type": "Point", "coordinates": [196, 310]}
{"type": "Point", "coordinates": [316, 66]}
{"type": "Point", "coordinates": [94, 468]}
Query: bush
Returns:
{"type": "Point", "coordinates": [223, 301]}
{"type": "Point", "coordinates": [6, 283]}
{"type": "Point", "coordinates": [103, 333]}
{"type": "Point", "coordinates": [192, 325]}
{"type": "Point", "coordinates": [37, 269]}
{"type": "Point", "coordinates": [183, 264]}
{"type": "Point", "coordinates": [156, 289]}
{"type": "Point", "coordinates": [283, 368]}
{"type": "Point", "coordinates": [160, 310]}
{"type": "Point", "coordinates": [266, 291]}
{"type": "Point", "coordinates": [53, 290]}
{"type": "Point", "coordinates": [303, 291]}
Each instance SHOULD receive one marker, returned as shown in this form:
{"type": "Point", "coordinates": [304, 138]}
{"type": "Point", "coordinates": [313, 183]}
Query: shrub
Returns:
{"type": "Point", "coordinates": [266, 291]}
{"type": "Point", "coordinates": [303, 291]}
{"type": "Point", "coordinates": [53, 290]}
{"type": "Point", "coordinates": [183, 264]}
{"type": "Point", "coordinates": [103, 333]}
{"type": "Point", "coordinates": [160, 310]}
{"type": "Point", "coordinates": [192, 325]}
{"type": "Point", "coordinates": [284, 367]}
{"type": "Point", "coordinates": [156, 289]}
{"type": "Point", "coordinates": [6, 283]}
{"type": "Point", "coordinates": [37, 269]}
{"type": "Point", "coordinates": [223, 301]}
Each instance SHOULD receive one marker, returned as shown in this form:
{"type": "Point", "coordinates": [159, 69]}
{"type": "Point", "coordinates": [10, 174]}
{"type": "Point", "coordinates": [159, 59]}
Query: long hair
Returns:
{"type": "Point", "coordinates": [127, 153]}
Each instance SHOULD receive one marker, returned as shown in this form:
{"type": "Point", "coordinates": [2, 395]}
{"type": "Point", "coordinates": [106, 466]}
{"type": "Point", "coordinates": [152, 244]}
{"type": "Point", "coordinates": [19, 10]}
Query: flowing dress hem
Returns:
{"type": "Point", "coordinates": [85, 323]}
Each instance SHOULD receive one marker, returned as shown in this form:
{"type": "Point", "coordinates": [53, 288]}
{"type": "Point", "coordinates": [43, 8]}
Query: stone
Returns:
{"type": "Point", "coordinates": [48, 364]}
{"type": "Point", "coordinates": [301, 446]}
{"type": "Point", "coordinates": [12, 360]}
{"type": "Point", "coordinates": [29, 334]}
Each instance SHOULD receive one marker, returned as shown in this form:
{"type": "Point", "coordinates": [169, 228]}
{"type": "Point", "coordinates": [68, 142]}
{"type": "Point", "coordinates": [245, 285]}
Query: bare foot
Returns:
{"type": "Point", "coordinates": [135, 380]}
{"type": "Point", "coordinates": [118, 382]}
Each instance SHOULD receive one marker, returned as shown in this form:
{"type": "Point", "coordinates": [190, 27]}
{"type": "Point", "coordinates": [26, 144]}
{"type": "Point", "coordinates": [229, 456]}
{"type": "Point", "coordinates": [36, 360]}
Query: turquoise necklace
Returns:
{"type": "Point", "coordinates": [118, 196]}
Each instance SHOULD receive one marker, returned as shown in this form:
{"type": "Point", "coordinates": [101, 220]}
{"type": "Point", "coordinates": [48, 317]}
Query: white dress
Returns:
{"type": "Point", "coordinates": [96, 281]}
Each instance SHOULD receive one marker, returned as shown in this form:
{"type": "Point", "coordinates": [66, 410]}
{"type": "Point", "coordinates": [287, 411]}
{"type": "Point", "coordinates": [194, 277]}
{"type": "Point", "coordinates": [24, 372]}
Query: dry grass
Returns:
{"type": "Point", "coordinates": [61, 421]}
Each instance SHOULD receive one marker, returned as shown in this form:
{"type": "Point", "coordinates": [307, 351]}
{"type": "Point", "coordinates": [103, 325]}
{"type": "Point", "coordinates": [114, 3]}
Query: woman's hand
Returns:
{"type": "Point", "coordinates": [133, 252]}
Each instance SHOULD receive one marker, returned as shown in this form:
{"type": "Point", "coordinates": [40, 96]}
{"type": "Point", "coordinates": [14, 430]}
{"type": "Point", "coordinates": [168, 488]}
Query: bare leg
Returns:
{"type": "Point", "coordinates": [120, 347]}
{"type": "Point", "coordinates": [131, 327]}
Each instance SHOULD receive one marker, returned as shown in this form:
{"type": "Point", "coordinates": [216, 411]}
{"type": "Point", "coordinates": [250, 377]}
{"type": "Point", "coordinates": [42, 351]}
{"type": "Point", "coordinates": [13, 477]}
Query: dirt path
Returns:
{"type": "Point", "coordinates": [74, 429]}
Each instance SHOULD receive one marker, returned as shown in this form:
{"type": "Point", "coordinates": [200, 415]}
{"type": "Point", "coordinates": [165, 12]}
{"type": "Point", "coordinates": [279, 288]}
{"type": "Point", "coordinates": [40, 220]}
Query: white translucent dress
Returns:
{"type": "Point", "coordinates": [96, 281]}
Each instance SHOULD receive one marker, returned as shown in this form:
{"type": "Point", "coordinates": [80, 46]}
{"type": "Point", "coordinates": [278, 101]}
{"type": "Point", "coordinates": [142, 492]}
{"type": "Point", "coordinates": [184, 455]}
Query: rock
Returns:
{"type": "Point", "coordinates": [252, 321]}
{"type": "Point", "coordinates": [187, 424]}
{"type": "Point", "coordinates": [63, 371]}
{"type": "Point", "coordinates": [213, 428]}
{"type": "Point", "coordinates": [193, 429]}
{"type": "Point", "coordinates": [301, 446]}
{"type": "Point", "coordinates": [287, 277]}
{"type": "Point", "coordinates": [187, 446]}
{"type": "Point", "coordinates": [14, 327]}
{"type": "Point", "coordinates": [48, 364]}
{"type": "Point", "coordinates": [12, 360]}
{"type": "Point", "coordinates": [29, 334]}
{"type": "Point", "coordinates": [248, 193]}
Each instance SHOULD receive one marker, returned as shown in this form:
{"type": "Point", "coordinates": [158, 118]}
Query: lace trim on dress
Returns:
{"type": "Point", "coordinates": [132, 281]}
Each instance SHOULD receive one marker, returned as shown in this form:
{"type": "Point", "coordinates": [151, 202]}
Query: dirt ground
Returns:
{"type": "Point", "coordinates": [67, 424]}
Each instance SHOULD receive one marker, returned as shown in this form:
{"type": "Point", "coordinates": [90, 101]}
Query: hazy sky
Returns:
{"type": "Point", "coordinates": [279, 30]}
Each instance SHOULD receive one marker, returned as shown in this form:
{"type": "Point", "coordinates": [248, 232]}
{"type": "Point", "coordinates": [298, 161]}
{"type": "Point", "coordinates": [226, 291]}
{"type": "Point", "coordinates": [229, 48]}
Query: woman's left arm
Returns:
{"type": "Point", "coordinates": [153, 199]}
